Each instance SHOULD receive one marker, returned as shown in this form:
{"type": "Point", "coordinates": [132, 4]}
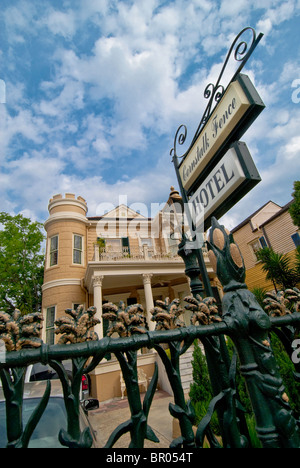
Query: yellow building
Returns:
{"type": "Point", "coordinates": [121, 255]}
{"type": "Point", "coordinates": [270, 226]}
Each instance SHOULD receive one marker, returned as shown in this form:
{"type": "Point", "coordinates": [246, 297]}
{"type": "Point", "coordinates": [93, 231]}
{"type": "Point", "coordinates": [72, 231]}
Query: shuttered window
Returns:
{"type": "Point", "coordinates": [258, 244]}
{"type": "Point", "coordinates": [296, 239]}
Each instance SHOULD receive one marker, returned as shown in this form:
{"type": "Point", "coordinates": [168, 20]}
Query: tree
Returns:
{"type": "Point", "coordinates": [295, 206]}
{"type": "Point", "coordinates": [260, 295]}
{"type": "Point", "coordinates": [200, 390]}
{"type": "Point", "coordinates": [278, 268]}
{"type": "Point", "coordinates": [287, 370]}
{"type": "Point", "coordinates": [21, 263]}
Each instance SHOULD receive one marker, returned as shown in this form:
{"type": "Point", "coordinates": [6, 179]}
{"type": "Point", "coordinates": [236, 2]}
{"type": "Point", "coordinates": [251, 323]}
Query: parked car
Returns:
{"type": "Point", "coordinates": [38, 372]}
{"type": "Point", "coordinates": [53, 419]}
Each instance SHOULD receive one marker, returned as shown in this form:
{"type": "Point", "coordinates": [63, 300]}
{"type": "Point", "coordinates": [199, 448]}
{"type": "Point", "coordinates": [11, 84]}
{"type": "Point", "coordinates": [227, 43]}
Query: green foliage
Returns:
{"type": "Point", "coordinates": [287, 369]}
{"type": "Point", "coordinates": [295, 207]}
{"type": "Point", "coordinates": [200, 408]}
{"type": "Point", "coordinates": [21, 264]}
{"type": "Point", "coordinates": [278, 268]}
{"type": "Point", "coordinates": [284, 362]}
{"type": "Point", "coordinates": [101, 244]}
{"type": "Point", "coordinates": [240, 382]}
{"type": "Point", "coordinates": [251, 424]}
{"type": "Point", "coordinates": [260, 294]}
{"type": "Point", "coordinates": [200, 390]}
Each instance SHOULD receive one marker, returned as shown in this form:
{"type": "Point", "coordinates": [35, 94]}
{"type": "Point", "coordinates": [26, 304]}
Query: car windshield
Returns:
{"type": "Point", "coordinates": [46, 433]}
{"type": "Point", "coordinates": [45, 372]}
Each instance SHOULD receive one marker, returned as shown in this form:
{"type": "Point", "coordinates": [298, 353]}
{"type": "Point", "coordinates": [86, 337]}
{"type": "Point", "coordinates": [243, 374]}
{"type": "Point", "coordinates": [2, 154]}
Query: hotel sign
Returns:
{"type": "Point", "coordinates": [229, 181]}
{"type": "Point", "coordinates": [237, 109]}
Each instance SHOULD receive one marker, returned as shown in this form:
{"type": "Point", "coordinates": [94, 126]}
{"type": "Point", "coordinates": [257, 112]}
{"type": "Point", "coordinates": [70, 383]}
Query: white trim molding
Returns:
{"type": "Point", "coordinates": [61, 282]}
{"type": "Point", "coordinates": [65, 216]}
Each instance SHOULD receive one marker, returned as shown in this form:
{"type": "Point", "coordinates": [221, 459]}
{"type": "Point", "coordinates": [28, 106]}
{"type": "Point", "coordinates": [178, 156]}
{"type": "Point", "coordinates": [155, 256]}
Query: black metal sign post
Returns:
{"type": "Point", "coordinates": [196, 240]}
{"type": "Point", "coordinates": [249, 105]}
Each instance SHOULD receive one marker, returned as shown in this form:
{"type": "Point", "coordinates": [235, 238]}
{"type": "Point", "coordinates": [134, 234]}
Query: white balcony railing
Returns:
{"type": "Point", "coordinates": [145, 253]}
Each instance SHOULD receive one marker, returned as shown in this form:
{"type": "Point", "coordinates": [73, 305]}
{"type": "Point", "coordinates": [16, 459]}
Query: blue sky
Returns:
{"type": "Point", "coordinates": [95, 91]}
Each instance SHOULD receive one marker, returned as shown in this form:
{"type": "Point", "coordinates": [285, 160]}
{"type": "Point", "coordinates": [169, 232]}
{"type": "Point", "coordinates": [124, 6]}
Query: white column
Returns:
{"type": "Point", "coordinates": [96, 253]}
{"type": "Point", "coordinates": [149, 299]}
{"type": "Point", "coordinates": [97, 285]}
{"type": "Point", "coordinates": [145, 252]}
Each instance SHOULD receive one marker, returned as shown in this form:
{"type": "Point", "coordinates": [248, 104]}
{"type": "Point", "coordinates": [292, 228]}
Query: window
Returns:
{"type": "Point", "coordinates": [78, 304]}
{"type": "Point", "coordinates": [263, 242]}
{"type": "Point", "coordinates": [125, 246]}
{"type": "Point", "coordinates": [50, 318]}
{"type": "Point", "coordinates": [173, 246]}
{"type": "Point", "coordinates": [131, 301]}
{"type": "Point", "coordinates": [147, 242]}
{"type": "Point", "coordinates": [114, 245]}
{"type": "Point", "coordinates": [77, 250]}
{"type": "Point", "coordinates": [296, 239]}
{"type": "Point", "coordinates": [147, 247]}
{"type": "Point", "coordinates": [258, 244]}
{"type": "Point", "coordinates": [54, 251]}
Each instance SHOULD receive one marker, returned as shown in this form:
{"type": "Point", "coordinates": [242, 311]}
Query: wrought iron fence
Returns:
{"type": "Point", "coordinates": [242, 319]}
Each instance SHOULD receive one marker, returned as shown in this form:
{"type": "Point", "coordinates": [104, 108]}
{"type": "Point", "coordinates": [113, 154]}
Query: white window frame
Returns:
{"type": "Point", "coordinates": [149, 242]}
{"type": "Point", "coordinates": [78, 250]}
{"type": "Point", "coordinates": [50, 328]}
{"type": "Point", "coordinates": [257, 242]}
{"type": "Point", "coordinates": [52, 251]}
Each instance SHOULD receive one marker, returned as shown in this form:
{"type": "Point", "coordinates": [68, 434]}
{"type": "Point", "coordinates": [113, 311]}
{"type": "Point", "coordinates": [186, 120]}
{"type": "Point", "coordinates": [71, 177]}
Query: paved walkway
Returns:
{"type": "Point", "coordinates": [111, 415]}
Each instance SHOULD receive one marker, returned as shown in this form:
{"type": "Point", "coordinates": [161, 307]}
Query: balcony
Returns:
{"type": "Point", "coordinates": [124, 254]}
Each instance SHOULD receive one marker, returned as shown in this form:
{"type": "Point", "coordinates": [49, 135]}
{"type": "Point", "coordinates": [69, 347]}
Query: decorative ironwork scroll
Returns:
{"type": "Point", "coordinates": [240, 50]}
{"type": "Point", "coordinates": [127, 322]}
{"type": "Point", "coordinates": [249, 326]}
{"type": "Point", "coordinates": [242, 319]}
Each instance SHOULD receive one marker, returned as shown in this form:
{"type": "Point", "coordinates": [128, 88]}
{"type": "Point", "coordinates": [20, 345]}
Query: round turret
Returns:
{"type": "Point", "coordinates": [65, 260]}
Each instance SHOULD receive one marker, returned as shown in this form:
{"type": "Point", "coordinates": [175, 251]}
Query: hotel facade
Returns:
{"type": "Point", "coordinates": [120, 256]}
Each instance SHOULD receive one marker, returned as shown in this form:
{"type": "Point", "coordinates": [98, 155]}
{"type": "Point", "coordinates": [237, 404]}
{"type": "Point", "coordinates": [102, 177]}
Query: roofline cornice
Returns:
{"type": "Point", "coordinates": [65, 216]}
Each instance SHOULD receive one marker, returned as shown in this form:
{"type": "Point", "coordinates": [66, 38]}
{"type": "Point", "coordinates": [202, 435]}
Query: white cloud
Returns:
{"type": "Point", "coordinates": [18, 20]}
{"type": "Point", "coordinates": [264, 25]}
{"type": "Point", "coordinates": [293, 149]}
{"type": "Point", "coordinates": [30, 179]}
{"type": "Point", "coordinates": [141, 63]}
{"type": "Point", "coordinates": [71, 97]}
{"type": "Point", "coordinates": [24, 123]}
{"type": "Point", "coordinates": [233, 9]}
{"type": "Point", "coordinates": [62, 23]}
